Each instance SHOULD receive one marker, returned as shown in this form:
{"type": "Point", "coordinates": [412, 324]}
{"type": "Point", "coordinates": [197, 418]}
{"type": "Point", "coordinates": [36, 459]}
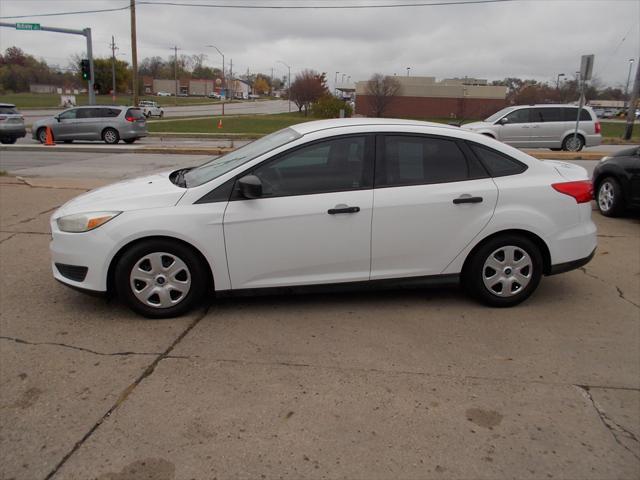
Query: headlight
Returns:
{"type": "Point", "coordinates": [83, 222]}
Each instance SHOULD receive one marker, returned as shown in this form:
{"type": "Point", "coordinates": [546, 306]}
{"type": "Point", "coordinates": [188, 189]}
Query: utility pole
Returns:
{"type": "Point", "coordinates": [626, 90]}
{"type": "Point", "coordinates": [231, 77]}
{"type": "Point", "coordinates": [113, 70]}
{"type": "Point", "coordinates": [134, 53]}
{"type": "Point", "coordinates": [631, 111]}
{"type": "Point", "coordinates": [289, 81]}
{"type": "Point", "coordinates": [175, 73]}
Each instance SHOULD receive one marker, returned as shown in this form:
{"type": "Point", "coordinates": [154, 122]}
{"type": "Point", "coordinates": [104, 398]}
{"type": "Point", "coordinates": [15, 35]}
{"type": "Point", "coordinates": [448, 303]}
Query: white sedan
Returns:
{"type": "Point", "coordinates": [364, 202]}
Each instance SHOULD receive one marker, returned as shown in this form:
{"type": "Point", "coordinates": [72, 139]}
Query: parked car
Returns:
{"type": "Point", "coordinates": [163, 94]}
{"type": "Point", "coordinates": [11, 123]}
{"type": "Point", "coordinates": [215, 95]}
{"type": "Point", "coordinates": [150, 109]}
{"type": "Point", "coordinates": [542, 126]}
{"type": "Point", "coordinates": [608, 113]}
{"type": "Point", "coordinates": [107, 123]}
{"type": "Point", "coordinates": [297, 208]}
{"type": "Point", "coordinates": [616, 181]}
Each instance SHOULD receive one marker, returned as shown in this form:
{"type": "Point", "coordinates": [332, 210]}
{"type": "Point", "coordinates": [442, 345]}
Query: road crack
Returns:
{"type": "Point", "coordinates": [127, 391]}
{"type": "Point", "coordinates": [614, 428]}
{"type": "Point", "coordinates": [9, 237]}
{"type": "Point", "coordinates": [620, 292]}
{"type": "Point", "coordinates": [621, 295]}
{"type": "Point", "coordinates": [81, 349]}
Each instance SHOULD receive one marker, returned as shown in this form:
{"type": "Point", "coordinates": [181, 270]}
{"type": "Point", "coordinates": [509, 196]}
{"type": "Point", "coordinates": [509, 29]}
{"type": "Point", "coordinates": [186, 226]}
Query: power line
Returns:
{"type": "Point", "coordinates": [77, 12]}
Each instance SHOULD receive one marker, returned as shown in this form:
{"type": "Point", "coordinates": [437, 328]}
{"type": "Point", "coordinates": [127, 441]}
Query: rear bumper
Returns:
{"type": "Point", "coordinates": [17, 131]}
{"type": "Point", "coordinates": [593, 140]}
{"type": "Point", "coordinates": [572, 265]}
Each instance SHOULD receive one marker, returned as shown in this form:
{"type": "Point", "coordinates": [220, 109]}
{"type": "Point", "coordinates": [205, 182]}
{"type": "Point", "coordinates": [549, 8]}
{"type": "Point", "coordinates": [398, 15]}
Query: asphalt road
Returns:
{"type": "Point", "coordinates": [407, 384]}
{"type": "Point", "coordinates": [113, 166]}
{"type": "Point", "coordinates": [246, 107]}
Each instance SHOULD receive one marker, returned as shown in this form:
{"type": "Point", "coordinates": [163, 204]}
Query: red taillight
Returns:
{"type": "Point", "coordinates": [598, 127]}
{"type": "Point", "coordinates": [582, 190]}
{"type": "Point", "coordinates": [130, 119]}
{"type": "Point", "coordinates": [3, 118]}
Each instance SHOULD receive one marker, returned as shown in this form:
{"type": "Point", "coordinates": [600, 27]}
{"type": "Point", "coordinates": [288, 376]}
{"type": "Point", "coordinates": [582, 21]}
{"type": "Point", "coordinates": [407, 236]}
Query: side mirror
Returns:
{"type": "Point", "coordinates": [503, 120]}
{"type": "Point", "coordinates": [250, 186]}
{"type": "Point", "coordinates": [57, 118]}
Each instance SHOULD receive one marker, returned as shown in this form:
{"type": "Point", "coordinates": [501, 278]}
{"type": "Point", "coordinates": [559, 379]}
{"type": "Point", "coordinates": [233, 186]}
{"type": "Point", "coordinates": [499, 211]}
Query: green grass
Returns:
{"type": "Point", "coordinates": [50, 100]}
{"type": "Point", "coordinates": [241, 124]}
{"type": "Point", "coordinates": [615, 130]}
{"type": "Point", "coordinates": [3, 173]}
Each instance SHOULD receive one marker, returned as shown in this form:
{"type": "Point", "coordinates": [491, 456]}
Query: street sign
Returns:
{"type": "Point", "coordinates": [586, 67]}
{"type": "Point", "coordinates": [27, 26]}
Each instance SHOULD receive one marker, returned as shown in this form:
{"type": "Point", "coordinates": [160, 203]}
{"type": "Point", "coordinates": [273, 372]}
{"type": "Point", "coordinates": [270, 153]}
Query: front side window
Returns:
{"type": "Point", "coordinates": [88, 113]}
{"type": "Point", "coordinates": [518, 116]}
{"type": "Point", "coordinates": [334, 165]}
{"type": "Point", "coordinates": [419, 160]}
{"type": "Point", "coordinates": [68, 115]}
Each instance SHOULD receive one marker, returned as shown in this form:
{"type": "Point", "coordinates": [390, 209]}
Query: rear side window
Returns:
{"type": "Point", "coordinates": [498, 164]}
{"type": "Point", "coordinates": [545, 115]}
{"type": "Point", "coordinates": [570, 115]}
{"type": "Point", "coordinates": [8, 111]}
{"type": "Point", "coordinates": [109, 112]}
{"type": "Point", "coordinates": [420, 160]}
{"type": "Point", "coordinates": [135, 113]}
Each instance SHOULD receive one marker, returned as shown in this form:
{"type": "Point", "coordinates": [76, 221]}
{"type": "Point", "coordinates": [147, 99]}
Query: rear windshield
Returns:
{"type": "Point", "coordinates": [8, 111]}
{"type": "Point", "coordinates": [135, 113]}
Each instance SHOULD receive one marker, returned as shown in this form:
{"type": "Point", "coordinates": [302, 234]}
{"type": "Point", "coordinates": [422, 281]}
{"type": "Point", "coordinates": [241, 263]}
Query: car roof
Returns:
{"type": "Point", "coordinates": [317, 125]}
{"type": "Point", "coordinates": [550, 105]}
{"type": "Point", "coordinates": [7, 105]}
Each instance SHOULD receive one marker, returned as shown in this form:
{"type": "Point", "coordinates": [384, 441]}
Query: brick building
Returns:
{"type": "Point", "coordinates": [424, 97]}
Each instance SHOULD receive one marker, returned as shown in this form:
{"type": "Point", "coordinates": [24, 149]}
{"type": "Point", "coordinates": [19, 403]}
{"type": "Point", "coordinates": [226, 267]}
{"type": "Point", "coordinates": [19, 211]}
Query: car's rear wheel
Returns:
{"type": "Point", "coordinates": [504, 271]}
{"type": "Point", "coordinates": [110, 136]}
{"type": "Point", "coordinates": [42, 135]}
{"type": "Point", "coordinates": [609, 197]}
{"type": "Point", "coordinates": [573, 143]}
{"type": "Point", "coordinates": [160, 278]}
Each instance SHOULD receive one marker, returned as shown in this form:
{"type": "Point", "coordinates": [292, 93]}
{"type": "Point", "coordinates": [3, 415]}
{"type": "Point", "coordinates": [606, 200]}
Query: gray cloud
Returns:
{"type": "Point", "coordinates": [533, 39]}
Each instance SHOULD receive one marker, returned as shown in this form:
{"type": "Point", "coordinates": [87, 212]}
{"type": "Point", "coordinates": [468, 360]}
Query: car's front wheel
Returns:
{"type": "Point", "coordinates": [504, 271]}
{"type": "Point", "coordinates": [609, 197]}
{"type": "Point", "coordinates": [110, 136]}
{"type": "Point", "coordinates": [42, 135]}
{"type": "Point", "coordinates": [160, 278]}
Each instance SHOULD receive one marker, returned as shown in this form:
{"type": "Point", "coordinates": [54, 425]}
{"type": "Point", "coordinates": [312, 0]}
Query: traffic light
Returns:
{"type": "Point", "coordinates": [85, 68]}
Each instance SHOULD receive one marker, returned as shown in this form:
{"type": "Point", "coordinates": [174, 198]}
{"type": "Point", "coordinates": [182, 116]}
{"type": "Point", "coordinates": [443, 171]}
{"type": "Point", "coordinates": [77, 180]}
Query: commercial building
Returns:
{"type": "Point", "coordinates": [425, 97]}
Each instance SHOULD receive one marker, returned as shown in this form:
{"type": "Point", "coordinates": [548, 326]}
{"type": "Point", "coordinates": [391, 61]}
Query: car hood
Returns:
{"type": "Point", "coordinates": [153, 191]}
{"type": "Point", "coordinates": [476, 125]}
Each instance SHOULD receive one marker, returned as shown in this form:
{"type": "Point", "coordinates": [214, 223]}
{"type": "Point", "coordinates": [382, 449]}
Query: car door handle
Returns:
{"type": "Point", "coordinates": [343, 209]}
{"type": "Point", "coordinates": [467, 199]}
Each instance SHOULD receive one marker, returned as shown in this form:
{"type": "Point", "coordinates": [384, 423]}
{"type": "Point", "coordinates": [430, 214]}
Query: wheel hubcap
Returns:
{"type": "Point", "coordinates": [605, 196]}
{"type": "Point", "coordinates": [573, 144]}
{"type": "Point", "coordinates": [110, 136]}
{"type": "Point", "coordinates": [160, 280]}
{"type": "Point", "coordinates": [507, 271]}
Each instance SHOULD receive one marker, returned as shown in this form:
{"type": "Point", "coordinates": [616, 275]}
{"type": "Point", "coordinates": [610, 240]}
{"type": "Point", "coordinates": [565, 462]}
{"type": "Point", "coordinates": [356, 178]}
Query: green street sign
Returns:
{"type": "Point", "coordinates": [27, 26]}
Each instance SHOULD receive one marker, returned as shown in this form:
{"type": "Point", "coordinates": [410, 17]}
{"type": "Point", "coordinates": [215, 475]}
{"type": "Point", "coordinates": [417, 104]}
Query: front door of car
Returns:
{"type": "Point", "coordinates": [312, 223]}
{"type": "Point", "coordinates": [430, 201]}
{"type": "Point", "coordinates": [515, 128]}
{"type": "Point", "coordinates": [65, 124]}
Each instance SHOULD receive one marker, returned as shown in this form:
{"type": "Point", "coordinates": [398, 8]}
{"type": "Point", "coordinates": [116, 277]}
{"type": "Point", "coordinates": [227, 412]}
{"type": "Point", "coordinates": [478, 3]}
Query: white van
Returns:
{"type": "Point", "coordinates": [542, 126]}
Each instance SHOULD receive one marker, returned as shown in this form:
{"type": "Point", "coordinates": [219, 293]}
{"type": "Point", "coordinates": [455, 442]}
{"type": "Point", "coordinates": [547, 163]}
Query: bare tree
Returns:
{"type": "Point", "coordinates": [381, 90]}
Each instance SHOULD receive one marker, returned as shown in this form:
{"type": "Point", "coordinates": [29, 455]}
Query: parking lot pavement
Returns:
{"type": "Point", "coordinates": [394, 384]}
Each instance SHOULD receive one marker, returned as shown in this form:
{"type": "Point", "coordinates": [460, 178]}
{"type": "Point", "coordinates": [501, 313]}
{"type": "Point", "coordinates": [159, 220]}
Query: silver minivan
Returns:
{"type": "Point", "coordinates": [107, 123]}
{"type": "Point", "coordinates": [542, 126]}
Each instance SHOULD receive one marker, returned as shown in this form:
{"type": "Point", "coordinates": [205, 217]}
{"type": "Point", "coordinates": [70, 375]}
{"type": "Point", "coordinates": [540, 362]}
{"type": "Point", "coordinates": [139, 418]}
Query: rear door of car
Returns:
{"type": "Point", "coordinates": [431, 198]}
{"type": "Point", "coordinates": [547, 127]}
{"type": "Point", "coordinates": [88, 123]}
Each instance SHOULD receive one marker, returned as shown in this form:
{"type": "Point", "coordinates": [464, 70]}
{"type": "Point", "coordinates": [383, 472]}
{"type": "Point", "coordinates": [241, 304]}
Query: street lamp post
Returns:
{"type": "Point", "coordinates": [626, 90]}
{"type": "Point", "coordinates": [289, 81]}
{"type": "Point", "coordinates": [335, 84]}
{"type": "Point", "coordinates": [558, 80]}
{"type": "Point", "coordinates": [224, 82]}
{"type": "Point", "coordinates": [408, 68]}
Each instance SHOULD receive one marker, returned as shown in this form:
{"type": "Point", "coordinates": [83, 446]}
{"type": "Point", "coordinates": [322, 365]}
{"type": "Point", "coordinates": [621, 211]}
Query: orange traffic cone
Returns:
{"type": "Point", "coordinates": [49, 138]}
{"type": "Point", "coordinates": [220, 123]}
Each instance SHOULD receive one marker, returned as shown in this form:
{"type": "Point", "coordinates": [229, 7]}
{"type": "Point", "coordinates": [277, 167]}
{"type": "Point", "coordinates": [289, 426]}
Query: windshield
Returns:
{"type": "Point", "coordinates": [496, 116]}
{"type": "Point", "coordinates": [226, 163]}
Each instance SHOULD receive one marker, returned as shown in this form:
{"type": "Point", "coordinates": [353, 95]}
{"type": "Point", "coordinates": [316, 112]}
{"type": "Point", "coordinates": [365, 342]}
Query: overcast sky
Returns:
{"type": "Point", "coordinates": [524, 38]}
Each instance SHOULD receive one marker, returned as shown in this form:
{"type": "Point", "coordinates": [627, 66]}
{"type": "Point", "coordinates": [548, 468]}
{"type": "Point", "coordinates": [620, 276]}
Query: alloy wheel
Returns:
{"type": "Point", "coordinates": [606, 196]}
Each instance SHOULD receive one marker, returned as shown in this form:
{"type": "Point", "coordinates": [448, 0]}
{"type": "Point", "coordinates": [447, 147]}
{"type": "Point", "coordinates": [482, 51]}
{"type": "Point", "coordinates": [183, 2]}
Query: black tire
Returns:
{"type": "Point", "coordinates": [568, 144]}
{"type": "Point", "coordinates": [195, 273]}
{"type": "Point", "coordinates": [8, 140]}
{"type": "Point", "coordinates": [609, 197]}
{"type": "Point", "coordinates": [41, 134]}
{"type": "Point", "coordinates": [555, 149]}
{"type": "Point", "coordinates": [129, 140]}
{"type": "Point", "coordinates": [475, 270]}
{"type": "Point", "coordinates": [161, 113]}
{"type": "Point", "coordinates": [110, 136]}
